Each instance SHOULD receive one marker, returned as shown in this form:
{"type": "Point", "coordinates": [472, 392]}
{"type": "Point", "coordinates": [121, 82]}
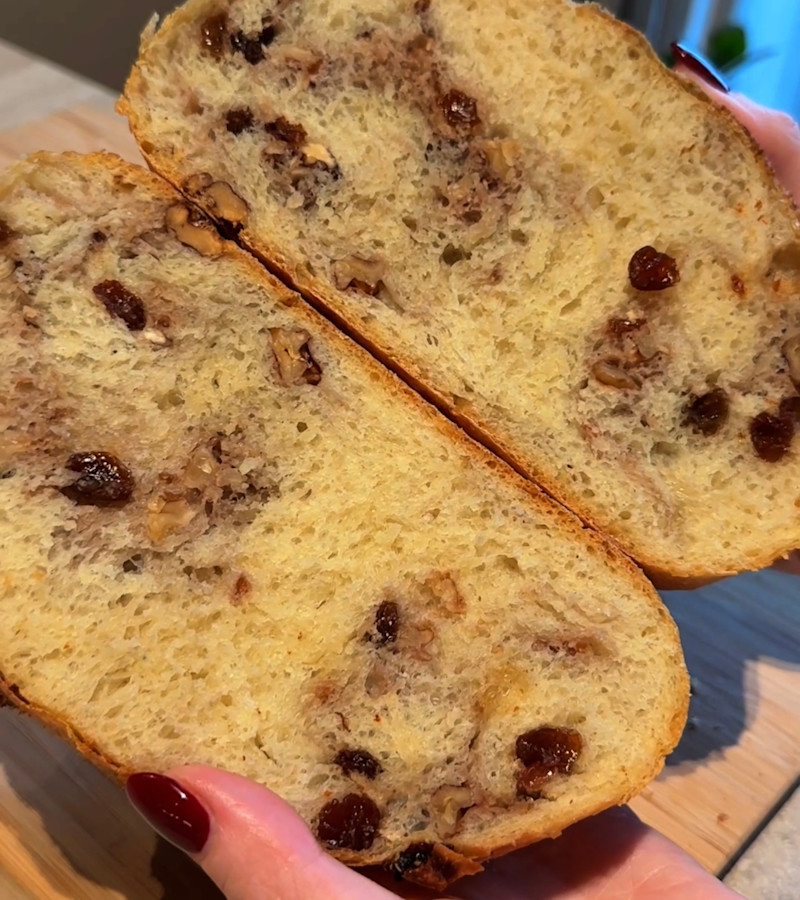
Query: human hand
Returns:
{"type": "Point", "coordinates": [255, 847]}
{"type": "Point", "coordinates": [776, 133]}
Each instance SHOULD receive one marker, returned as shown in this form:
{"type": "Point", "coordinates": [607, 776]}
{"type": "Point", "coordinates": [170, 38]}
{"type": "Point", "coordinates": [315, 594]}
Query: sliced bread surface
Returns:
{"type": "Point", "coordinates": [230, 536]}
{"type": "Point", "coordinates": [516, 206]}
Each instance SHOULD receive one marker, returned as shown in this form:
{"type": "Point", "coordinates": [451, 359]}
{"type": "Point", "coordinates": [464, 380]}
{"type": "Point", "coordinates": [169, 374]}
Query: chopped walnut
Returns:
{"type": "Point", "coordinates": [194, 230]}
{"type": "Point", "coordinates": [503, 157]}
{"type": "Point", "coordinates": [168, 515]}
{"type": "Point", "coordinates": [447, 805]}
{"type": "Point", "coordinates": [791, 353]}
{"type": "Point", "coordinates": [446, 593]}
{"type": "Point", "coordinates": [317, 154]}
{"type": "Point", "coordinates": [223, 202]}
{"type": "Point", "coordinates": [612, 373]}
{"type": "Point", "coordinates": [7, 268]}
{"type": "Point", "coordinates": [295, 363]}
{"type": "Point", "coordinates": [365, 275]}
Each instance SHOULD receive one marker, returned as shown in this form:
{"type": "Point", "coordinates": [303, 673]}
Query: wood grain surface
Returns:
{"type": "Point", "coordinates": [67, 833]}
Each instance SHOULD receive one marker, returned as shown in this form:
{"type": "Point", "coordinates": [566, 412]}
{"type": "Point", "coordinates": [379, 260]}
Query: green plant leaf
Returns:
{"type": "Point", "coordinates": [726, 45]}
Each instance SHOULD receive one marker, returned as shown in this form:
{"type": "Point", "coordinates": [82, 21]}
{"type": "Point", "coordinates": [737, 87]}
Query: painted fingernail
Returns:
{"type": "Point", "coordinates": [173, 812]}
{"type": "Point", "coordinates": [698, 66]}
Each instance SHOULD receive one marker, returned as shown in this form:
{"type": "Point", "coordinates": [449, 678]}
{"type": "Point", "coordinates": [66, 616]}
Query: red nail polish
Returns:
{"type": "Point", "coordinates": [174, 813]}
{"type": "Point", "coordinates": [697, 65]}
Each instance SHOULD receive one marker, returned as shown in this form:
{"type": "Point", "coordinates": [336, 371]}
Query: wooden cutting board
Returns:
{"type": "Point", "coordinates": [66, 833]}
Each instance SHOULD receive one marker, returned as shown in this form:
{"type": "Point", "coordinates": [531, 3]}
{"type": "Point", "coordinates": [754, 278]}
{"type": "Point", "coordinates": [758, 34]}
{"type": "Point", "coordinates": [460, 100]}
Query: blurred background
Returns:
{"type": "Point", "coordinates": [754, 42]}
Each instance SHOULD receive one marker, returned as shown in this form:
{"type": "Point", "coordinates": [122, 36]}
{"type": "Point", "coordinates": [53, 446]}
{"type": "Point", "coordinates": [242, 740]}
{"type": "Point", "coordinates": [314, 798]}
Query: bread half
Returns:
{"type": "Point", "coordinates": [520, 209]}
{"type": "Point", "coordinates": [229, 536]}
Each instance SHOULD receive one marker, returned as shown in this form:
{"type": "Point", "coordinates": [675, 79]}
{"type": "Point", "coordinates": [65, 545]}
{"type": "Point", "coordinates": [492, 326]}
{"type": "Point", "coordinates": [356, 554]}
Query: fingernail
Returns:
{"type": "Point", "coordinates": [698, 66]}
{"type": "Point", "coordinates": [173, 812]}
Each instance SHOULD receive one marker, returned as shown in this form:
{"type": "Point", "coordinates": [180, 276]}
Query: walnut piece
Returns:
{"type": "Point", "coordinates": [365, 275]}
{"type": "Point", "coordinates": [447, 804]}
{"type": "Point", "coordinates": [317, 153]}
{"type": "Point", "coordinates": [612, 374]}
{"type": "Point", "coordinates": [194, 230]}
{"type": "Point", "coordinates": [791, 353]}
{"type": "Point", "coordinates": [166, 516]}
{"type": "Point", "coordinates": [296, 365]}
{"type": "Point", "coordinates": [502, 156]}
{"type": "Point", "coordinates": [219, 196]}
{"type": "Point", "coordinates": [446, 593]}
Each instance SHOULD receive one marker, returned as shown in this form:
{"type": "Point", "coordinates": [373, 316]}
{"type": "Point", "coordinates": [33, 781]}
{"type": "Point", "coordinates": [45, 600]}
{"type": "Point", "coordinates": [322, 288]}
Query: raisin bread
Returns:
{"type": "Point", "coordinates": [517, 207]}
{"type": "Point", "coordinates": [230, 536]}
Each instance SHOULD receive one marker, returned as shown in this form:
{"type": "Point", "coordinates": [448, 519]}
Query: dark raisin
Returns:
{"type": "Point", "coordinates": [123, 304]}
{"type": "Point", "coordinates": [413, 857]}
{"type": "Point", "coordinates": [545, 752]}
{"type": "Point", "coordinates": [359, 761]}
{"type": "Point", "coordinates": [619, 327]}
{"type": "Point", "coordinates": [738, 285]}
{"type": "Point", "coordinates": [651, 270]}
{"type": "Point", "coordinates": [249, 47]}
{"type": "Point", "coordinates": [771, 436]}
{"type": "Point", "coordinates": [708, 413]}
{"type": "Point", "coordinates": [6, 233]}
{"type": "Point", "coordinates": [387, 622]}
{"type": "Point", "coordinates": [239, 120]}
{"type": "Point", "coordinates": [104, 480]}
{"type": "Point", "coordinates": [212, 35]}
{"type": "Point", "coordinates": [421, 6]}
{"type": "Point", "coordinates": [351, 822]}
{"type": "Point", "coordinates": [460, 110]}
{"type": "Point", "coordinates": [790, 410]}
{"type": "Point", "coordinates": [267, 36]}
{"type": "Point", "coordinates": [99, 237]}
{"type": "Point", "coordinates": [287, 131]}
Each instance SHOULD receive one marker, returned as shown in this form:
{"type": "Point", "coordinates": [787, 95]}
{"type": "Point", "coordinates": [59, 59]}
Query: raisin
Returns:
{"type": "Point", "coordinates": [708, 413]}
{"type": "Point", "coordinates": [545, 752]}
{"type": "Point", "coordinates": [239, 120]}
{"type": "Point", "coordinates": [212, 35]}
{"type": "Point", "coordinates": [287, 131]}
{"type": "Point", "coordinates": [651, 270]}
{"type": "Point", "coordinates": [123, 304]}
{"type": "Point", "coordinates": [249, 47]}
{"type": "Point", "coordinates": [413, 857]}
{"type": "Point", "coordinates": [737, 285]}
{"type": "Point", "coordinates": [351, 822]}
{"type": "Point", "coordinates": [99, 237]}
{"type": "Point", "coordinates": [620, 327]}
{"type": "Point", "coordinates": [771, 436]}
{"type": "Point", "coordinates": [104, 480]}
{"type": "Point", "coordinates": [267, 36]}
{"type": "Point", "coordinates": [790, 410]}
{"type": "Point", "coordinates": [6, 232]}
{"type": "Point", "coordinates": [359, 761]}
{"type": "Point", "coordinates": [460, 110]}
{"type": "Point", "coordinates": [387, 622]}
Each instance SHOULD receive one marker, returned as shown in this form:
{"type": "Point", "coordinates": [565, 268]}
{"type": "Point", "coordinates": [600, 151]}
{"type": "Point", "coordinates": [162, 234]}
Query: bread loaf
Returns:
{"type": "Point", "coordinates": [521, 210]}
{"type": "Point", "coordinates": [230, 536]}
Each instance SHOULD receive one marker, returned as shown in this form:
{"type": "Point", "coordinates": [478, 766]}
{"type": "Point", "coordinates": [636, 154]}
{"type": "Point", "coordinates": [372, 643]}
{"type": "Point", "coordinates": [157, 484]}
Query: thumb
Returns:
{"type": "Point", "coordinates": [251, 843]}
{"type": "Point", "coordinates": [775, 132]}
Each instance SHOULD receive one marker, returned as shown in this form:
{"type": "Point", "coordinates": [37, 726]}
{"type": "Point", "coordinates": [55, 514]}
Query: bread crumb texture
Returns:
{"type": "Point", "coordinates": [523, 208]}
{"type": "Point", "coordinates": [230, 537]}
